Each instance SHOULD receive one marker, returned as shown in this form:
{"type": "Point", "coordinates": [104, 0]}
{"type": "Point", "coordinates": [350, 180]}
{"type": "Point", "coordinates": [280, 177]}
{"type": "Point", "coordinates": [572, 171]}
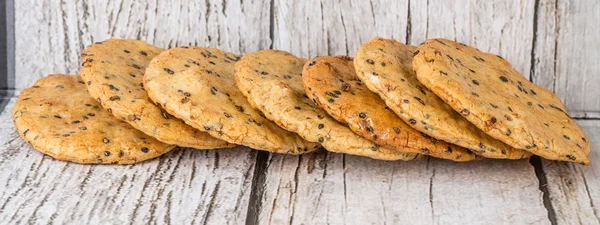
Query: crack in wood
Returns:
{"type": "Point", "coordinates": [345, 36]}
{"type": "Point", "coordinates": [532, 75]}
{"type": "Point", "coordinates": [587, 190]}
{"type": "Point", "coordinates": [408, 24]}
{"type": "Point", "coordinates": [556, 33]}
{"type": "Point", "coordinates": [296, 184]}
{"type": "Point", "coordinates": [272, 23]}
{"type": "Point", "coordinates": [247, 180]}
{"type": "Point", "coordinates": [344, 176]}
{"type": "Point", "coordinates": [257, 189]}
{"type": "Point", "coordinates": [427, 20]}
{"type": "Point", "coordinates": [67, 47]}
{"type": "Point", "coordinates": [431, 190]}
{"type": "Point", "coordinates": [536, 162]}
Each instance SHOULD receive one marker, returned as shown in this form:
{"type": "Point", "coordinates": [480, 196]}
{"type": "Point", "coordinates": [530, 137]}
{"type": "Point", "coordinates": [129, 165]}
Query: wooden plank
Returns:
{"type": "Point", "coordinates": [317, 27]}
{"type": "Point", "coordinates": [5, 81]}
{"type": "Point", "coordinates": [210, 186]}
{"type": "Point", "coordinates": [573, 189]}
{"type": "Point", "coordinates": [543, 71]}
{"type": "Point", "coordinates": [51, 34]}
{"type": "Point", "coordinates": [342, 189]}
{"type": "Point", "coordinates": [500, 27]}
{"type": "Point", "coordinates": [184, 186]}
{"type": "Point", "coordinates": [565, 62]}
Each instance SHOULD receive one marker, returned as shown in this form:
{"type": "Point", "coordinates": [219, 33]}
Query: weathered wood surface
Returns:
{"type": "Point", "coordinates": [51, 34]}
{"type": "Point", "coordinates": [550, 41]}
{"type": "Point", "coordinates": [311, 28]}
{"type": "Point", "coordinates": [342, 189]}
{"type": "Point", "coordinates": [214, 186]}
{"type": "Point", "coordinates": [565, 61]}
{"type": "Point", "coordinates": [574, 189]}
{"type": "Point", "coordinates": [184, 186]}
{"type": "Point", "coordinates": [332, 188]}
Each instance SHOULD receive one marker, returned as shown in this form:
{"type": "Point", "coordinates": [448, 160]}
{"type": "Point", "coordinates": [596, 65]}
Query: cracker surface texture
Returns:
{"type": "Point", "coordinates": [58, 117]}
{"type": "Point", "coordinates": [197, 85]}
{"type": "Point", "coordinates": [491, 94]}
{"type": "Point", "coordinates": [113, 71]}
{"type": "Point", "coordinates": [332, 83]}
{"type": "Point", "coordinates": [385, 67]}
{"type": "Point", "coordinates": [272, 82]}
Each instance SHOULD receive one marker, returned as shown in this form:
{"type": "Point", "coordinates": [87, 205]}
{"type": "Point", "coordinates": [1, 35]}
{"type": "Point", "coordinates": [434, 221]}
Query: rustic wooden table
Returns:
{"type": "Point", "coordinates": [552, 42]}
{"type": "Point", "coordinates": [233, 186]}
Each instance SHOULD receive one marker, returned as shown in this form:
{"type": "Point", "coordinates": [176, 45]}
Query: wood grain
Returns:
{"type": "Point", "coordinates": [51, 34]}
{"type": "Point", "coordinates": [315, 27]}
{"type": "Point", "coordinates": [342, 189]}
{"type": "Point", "coordinates": [564, 60]}
{"type": "Point", "coordinates": [501, 27]}
{"type": "Point", "coordinates": [311, 28]}
{"type": "Point", "coordinates": [573, 188]}
{"type": "Point", "coordinates": [185, 186]}
{"type": "Point", "coordinates": [338, 189]}
{"type": "Point", "coordinates": [550, 41]}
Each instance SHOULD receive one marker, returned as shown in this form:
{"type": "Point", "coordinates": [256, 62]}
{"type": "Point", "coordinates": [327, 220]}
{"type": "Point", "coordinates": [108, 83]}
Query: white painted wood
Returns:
{"type": "Point", "coordinates": [331, 188]}
{"type": "Point", "coordinates": [501, 27]}
{"type": "Point", "coordinates": [183, 187]}
{"type": "Point", "coordinates": [544, 58]}
{"type": "Point", "coordinates": [337, 189]}
{"type": "Point", "coordinates": [573, 188]}
{"type": "Point", "coordinates": [566, 62]}
{"type": "Point", "coordinates": [51, 34]}
{"type": "Point", "coordinates": [315, 27]}
{"type": "Point", "coordinates": [188, 187]}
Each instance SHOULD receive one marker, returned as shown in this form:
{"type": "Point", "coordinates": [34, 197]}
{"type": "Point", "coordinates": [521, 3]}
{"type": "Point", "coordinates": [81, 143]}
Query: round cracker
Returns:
{"type": "Point", "coordinates": [197, 85]}
{"type": "Point", "coordinates": [272, 82]}
{"type": "Point", "coordinates": [113, 71]}
{"type": "Point", "coordinates": [59, 118]}
{"type": "Point", "coordinates": [385, 66]}
{"type": "Point", "coordinates": [332, 83]}
{"type": "Point", "coordinates": [491, 94]}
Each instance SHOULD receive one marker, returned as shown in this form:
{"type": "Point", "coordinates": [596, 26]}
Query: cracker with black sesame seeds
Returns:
{"type": "Point", "coordinates": [332, 83]}
{"type": "Point", "coordinates": [385, 67]}
{"type": "Point", "coordinates": [272, 82]}
{"type": "Point", "coordinates": [197, 85]}
{"type": "Point", "coordinates": [491, 94]}
{"type": "Point", "coordinates": [113, 71]}
{"type": "Point", "coordinates": [58, 117]}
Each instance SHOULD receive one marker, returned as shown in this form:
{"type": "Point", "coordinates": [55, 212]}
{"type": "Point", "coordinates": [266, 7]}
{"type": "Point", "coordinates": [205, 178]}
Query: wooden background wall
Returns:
{"type": "Point", "coordinates": [553, 42]}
